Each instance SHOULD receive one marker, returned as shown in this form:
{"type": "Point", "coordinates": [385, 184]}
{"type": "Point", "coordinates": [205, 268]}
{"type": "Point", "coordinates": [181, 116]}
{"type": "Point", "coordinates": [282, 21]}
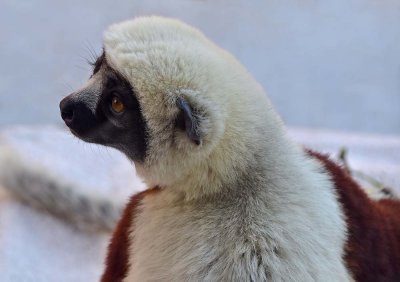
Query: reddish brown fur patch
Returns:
{"type": "Point", "coordinates": [373, 245]}
{"type": "Point", "coordinates": [117, 261]}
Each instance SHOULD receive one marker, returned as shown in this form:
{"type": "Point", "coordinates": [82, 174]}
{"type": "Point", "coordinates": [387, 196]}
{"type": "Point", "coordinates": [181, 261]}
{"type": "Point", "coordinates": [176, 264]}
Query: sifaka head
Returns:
{"type": "Point", "coordinates": [173, 102]}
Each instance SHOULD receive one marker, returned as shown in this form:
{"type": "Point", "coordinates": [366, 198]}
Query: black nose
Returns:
{"type": "Point", "coordinates": [77, 115]}
{"type": "Point", "coordinates": [67, 110]}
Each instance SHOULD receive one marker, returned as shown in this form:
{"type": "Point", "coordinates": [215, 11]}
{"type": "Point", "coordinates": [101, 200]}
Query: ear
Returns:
{"type": "Point", "coordinates": [188, 121]}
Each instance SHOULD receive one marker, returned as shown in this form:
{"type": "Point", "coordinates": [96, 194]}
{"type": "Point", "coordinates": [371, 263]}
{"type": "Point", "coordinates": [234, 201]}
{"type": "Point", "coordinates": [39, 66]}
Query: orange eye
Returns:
{"type": "Point", "coordinates": [116, 105]}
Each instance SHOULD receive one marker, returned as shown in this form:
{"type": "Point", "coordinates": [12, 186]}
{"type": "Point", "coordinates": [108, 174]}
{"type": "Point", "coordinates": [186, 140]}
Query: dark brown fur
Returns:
{"type": "Point", "coordinates": [118, 251]}
{"type": "Point", "coordinates": [373, 245]}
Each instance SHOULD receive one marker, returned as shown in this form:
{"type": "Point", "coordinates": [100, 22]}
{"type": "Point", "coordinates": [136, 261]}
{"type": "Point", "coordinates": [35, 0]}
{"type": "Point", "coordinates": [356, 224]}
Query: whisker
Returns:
{"type": "Point", "coordinates": [92, 53]}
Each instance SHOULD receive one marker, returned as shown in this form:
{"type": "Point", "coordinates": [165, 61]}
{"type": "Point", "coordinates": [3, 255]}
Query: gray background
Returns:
{"type": "Point", "coordinates": [325, 64]}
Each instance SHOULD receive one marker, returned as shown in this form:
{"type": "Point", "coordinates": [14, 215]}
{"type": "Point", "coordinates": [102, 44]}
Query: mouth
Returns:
{"type": "Point", "coordinates": [74, 132]}
{"type": "Point", "coordinates": [86, 137]}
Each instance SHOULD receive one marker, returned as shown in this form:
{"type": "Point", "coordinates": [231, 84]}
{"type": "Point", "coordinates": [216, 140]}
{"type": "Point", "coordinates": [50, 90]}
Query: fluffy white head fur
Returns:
{"type": "Point", "coordinates": [164, 59]}
{"type": "Point", "coordinates": [279, 212]}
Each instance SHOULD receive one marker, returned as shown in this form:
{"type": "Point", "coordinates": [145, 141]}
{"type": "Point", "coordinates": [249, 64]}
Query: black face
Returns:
{"type": "Point", "coordinates": [116, 121]}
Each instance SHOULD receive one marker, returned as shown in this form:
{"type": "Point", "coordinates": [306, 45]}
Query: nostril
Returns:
{"type": "Point", "coordinates": [67, 115]}
{"type": "Point", "coordinates": [67, 110]}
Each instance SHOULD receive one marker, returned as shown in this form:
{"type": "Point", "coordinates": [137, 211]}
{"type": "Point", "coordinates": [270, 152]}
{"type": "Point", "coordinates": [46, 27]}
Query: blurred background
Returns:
{"type": "Point", "coordinates": [331, 68]}
{"type": "Point", "coordinates": [325, 64]}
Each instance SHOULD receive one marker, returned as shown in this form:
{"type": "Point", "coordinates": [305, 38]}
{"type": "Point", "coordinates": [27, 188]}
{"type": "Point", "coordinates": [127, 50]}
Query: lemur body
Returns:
{"type": "Point", "coordinates": [235, 198]}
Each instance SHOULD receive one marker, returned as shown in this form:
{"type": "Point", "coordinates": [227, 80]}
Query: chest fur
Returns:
{"type": "Point", "coordinates": [228, 241]}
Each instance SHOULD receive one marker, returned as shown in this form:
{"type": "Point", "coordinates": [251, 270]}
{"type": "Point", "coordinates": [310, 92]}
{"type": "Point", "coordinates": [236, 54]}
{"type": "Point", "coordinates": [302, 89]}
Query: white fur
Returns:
{"type": "Point", "coordinates": [246, 204]}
